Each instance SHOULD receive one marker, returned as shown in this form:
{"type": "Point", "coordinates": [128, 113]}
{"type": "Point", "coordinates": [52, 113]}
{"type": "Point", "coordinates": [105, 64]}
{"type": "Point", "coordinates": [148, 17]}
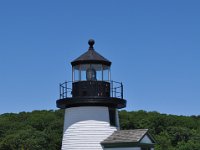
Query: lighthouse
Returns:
{"type": "Point", "coordinates": [91, 102]}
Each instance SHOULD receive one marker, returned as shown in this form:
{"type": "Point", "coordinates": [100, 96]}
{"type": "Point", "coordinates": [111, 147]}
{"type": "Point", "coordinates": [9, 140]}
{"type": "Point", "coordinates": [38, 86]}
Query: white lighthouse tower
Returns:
{"type": "Point", "coordinates": [91, 111]}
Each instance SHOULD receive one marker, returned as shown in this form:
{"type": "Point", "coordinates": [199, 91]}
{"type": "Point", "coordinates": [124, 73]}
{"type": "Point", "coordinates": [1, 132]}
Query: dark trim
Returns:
{"type": "Point", "coordinates": [112, 116]}
{"type": "Point", "coordinates": [127, 144]}
{"type": "Point", "coordinates": [78, 62]}
{"type": "Point", "coordinates": [91, 101]}
{"type": "Point", "coordinates": [150, 137]}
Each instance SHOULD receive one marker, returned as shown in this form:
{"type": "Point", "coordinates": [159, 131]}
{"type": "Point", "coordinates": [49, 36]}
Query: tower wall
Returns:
{"type": "Point", "coordinates": [85, 127]}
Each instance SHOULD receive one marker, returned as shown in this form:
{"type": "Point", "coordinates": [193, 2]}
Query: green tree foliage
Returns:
{"type": "Point", "coordinates": [170, 131]}
{"type": "Point", "coordinates": [42, 130]}
{"type": "Point", "coordinates": [38, 130]}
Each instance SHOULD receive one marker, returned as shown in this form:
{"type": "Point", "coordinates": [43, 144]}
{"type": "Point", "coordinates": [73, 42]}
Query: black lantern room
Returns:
{"type": "Point", "coordinates": [91, 83]}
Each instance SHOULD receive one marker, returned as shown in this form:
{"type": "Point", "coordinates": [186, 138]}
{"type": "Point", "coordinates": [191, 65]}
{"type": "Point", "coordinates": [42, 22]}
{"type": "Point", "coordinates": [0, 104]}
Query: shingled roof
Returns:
{"type": "Point", "coordinates": [91, 56]}
{"type": "Point", "coordinates": [126, 136]}
{"type": "Point", "coordinates": [129, 138]}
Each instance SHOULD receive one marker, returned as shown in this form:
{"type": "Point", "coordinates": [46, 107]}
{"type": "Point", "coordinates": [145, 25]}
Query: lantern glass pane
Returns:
{"type": "Point", "coordinates": [76, 73]}
{"type": "Point", "coordinates": [84, 68]}
{"type": "Point", "coordinates": [98, 69]}
{"type": "Point", "coordinates": [106, 71]}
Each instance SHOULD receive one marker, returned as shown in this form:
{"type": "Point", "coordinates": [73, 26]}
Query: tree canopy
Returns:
{"type": "Point", "coordinates": [42, 130]}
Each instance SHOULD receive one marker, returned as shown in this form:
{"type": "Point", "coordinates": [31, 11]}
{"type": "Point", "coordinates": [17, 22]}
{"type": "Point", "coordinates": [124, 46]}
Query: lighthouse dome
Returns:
{"type": "Point", "coordinates": [91, 56]}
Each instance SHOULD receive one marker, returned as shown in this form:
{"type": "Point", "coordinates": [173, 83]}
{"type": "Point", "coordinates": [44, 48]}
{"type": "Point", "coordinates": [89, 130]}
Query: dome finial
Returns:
{"type": "Point", "coordinates": [91, 43]}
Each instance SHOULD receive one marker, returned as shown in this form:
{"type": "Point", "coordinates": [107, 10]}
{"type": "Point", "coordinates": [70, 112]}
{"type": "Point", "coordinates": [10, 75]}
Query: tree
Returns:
{"type": "Point", "coordinates": [42, 130]}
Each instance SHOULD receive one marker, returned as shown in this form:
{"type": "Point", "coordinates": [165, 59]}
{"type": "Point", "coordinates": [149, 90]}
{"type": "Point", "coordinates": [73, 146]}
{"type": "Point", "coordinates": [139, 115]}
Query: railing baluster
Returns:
{"type": "Point", "coordinates": [65, 89]}
{"type": "Point", "coordinates": [63, 92]}
{"type": "Point", "coordinates": [115, 91]}
{"type": "Point", "coordinates": [60, 91]}
{"type": "Point", "coordinates": [112, 89]}
{"type": "Point", "coordinates": [121, 90]}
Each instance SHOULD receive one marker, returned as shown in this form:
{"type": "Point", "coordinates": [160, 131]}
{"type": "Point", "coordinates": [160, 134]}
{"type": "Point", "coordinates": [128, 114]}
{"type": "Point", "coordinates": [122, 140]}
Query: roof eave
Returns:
{"type": "Point", "coordinates": [78, 62]}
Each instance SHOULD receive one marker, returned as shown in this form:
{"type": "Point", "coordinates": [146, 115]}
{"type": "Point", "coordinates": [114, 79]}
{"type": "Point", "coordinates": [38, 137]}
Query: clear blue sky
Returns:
{"type": "Point", "coordinates": [154, 47]}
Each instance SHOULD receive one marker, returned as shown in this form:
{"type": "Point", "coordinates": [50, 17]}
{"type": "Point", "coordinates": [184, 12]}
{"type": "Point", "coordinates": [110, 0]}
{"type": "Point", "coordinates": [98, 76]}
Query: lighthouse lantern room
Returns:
{"type": "Point", "coordinates": [91, 102]}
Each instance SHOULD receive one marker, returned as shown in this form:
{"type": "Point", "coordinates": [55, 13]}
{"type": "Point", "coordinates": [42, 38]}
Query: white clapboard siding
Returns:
{"type": "Point", "coordinates": [85, 127]}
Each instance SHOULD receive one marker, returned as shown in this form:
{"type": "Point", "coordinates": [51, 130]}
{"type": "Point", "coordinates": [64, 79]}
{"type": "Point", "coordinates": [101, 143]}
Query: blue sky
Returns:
{"type": "Point", "coordinates": [154, 47]}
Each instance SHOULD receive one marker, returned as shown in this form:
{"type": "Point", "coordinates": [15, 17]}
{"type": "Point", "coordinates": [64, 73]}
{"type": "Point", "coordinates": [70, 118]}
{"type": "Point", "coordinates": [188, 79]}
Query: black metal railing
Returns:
{"type": "Point", "coordinates": [116, 89]}
{"type": "Point", "coordinates": [65, 89]}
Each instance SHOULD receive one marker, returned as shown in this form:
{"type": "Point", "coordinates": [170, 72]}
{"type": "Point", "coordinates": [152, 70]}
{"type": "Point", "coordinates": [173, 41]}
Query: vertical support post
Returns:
{"type": "Point", "coordinates": [79, 68]}
{"type": "Point", "coordinates": [115, 91]}
{"type": "Point", "coordinates": [121, 90]}
{"type": "Point", "coordinates": [66, 90]}
{"type": "Point", "coordinates": [60, 91]}
{"type": "Point", "coordinates": [112, 88]}
{"type": "Point", "coordinates": [102, 72]}
{"type": "Point", "coordinates": [109, 74]}
{"type": "Point", "coordinates": [72, 74]}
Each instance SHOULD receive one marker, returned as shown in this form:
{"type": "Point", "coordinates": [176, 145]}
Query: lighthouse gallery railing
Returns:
{"type": "Point", "coordinates": [116, 89]}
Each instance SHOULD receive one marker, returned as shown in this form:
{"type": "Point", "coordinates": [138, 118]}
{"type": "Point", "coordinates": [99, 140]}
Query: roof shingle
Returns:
{"type": "Point", "coordinates": [126, 136]}
{"type": "Point", "coordinates": [91, 56]}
